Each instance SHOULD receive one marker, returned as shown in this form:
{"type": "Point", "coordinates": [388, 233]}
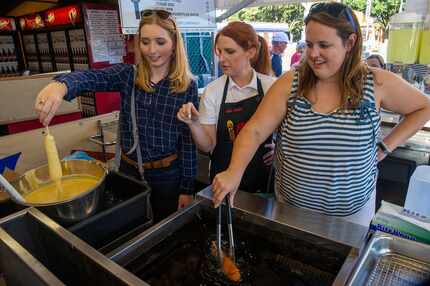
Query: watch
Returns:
{"type": "Point", "coordinates": [384, 148]}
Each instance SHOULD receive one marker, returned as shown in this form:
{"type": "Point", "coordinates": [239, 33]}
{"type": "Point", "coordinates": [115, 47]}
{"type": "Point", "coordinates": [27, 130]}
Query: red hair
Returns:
{"type": "Point", "coordinates": [245, 36]}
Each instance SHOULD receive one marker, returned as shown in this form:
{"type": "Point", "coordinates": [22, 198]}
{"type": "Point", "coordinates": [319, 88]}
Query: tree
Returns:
{"type": "Point", "coordinates": [382, 10]}
{"type": "Point", "coordinates": [292, 14]}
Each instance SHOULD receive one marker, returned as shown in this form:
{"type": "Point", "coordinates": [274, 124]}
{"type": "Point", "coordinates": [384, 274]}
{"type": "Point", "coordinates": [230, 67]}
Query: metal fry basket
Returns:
{"type": "Point", "coordinates": [391, 260]}
{"type": "Point", "coordinates": [394, 269]}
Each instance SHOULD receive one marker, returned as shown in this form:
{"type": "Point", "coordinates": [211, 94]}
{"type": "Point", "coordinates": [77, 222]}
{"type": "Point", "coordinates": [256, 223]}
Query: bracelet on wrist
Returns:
{"type": "Point", "coordinates": [384, 148]}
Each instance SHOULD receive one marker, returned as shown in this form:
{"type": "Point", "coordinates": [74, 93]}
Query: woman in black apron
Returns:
{"type": "Point", "coordinates": [244, 57]}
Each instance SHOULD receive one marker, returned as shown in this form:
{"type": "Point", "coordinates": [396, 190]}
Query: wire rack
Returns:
{"type": "Point", "coordinates": [394, 269]}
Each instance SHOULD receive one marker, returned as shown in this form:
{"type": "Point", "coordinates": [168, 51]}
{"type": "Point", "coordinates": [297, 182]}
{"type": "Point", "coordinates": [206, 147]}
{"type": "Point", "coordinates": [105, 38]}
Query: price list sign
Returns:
{"type": "Point", "coordinates": [191, 16]}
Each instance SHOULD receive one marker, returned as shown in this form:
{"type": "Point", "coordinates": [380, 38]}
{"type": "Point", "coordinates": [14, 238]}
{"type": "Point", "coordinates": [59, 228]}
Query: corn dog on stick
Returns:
{"type": "Point", "coordinates": [54, 165]}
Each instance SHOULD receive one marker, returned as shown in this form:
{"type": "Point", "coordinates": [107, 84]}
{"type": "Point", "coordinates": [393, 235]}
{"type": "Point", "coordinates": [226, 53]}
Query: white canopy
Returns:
{"type": "Point", "coordinates": [227, 4]}
{"type": "Point", "coordinates": [232, 6]}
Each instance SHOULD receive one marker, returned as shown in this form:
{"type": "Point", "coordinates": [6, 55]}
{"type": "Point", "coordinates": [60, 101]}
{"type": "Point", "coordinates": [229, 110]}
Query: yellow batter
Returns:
{"type": "Point", "coordinates": [54, 164]}
{"type": "Point", "coordinates": [71, 186]}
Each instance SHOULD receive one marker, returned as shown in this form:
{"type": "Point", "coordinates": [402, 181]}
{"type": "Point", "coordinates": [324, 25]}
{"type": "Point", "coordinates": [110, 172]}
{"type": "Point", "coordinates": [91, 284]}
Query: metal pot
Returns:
{"type": "Point", "coordinates": [72, 210]}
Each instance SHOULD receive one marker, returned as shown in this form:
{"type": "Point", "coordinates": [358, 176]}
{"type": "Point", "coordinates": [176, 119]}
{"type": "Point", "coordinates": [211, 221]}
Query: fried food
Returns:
{"type": "Point", "coordinates": [229, 268]}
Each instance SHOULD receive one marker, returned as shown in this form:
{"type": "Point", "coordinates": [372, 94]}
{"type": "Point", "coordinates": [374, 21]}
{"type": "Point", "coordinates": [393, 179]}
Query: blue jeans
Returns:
{"type": "Point", "coordinates": [164, 183]}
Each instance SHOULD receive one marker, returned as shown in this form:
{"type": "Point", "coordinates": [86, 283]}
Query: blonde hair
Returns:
{"type": "Point", "coordinates": [179, 72]}
{"type": "Point", "coordinates": [353, 71]}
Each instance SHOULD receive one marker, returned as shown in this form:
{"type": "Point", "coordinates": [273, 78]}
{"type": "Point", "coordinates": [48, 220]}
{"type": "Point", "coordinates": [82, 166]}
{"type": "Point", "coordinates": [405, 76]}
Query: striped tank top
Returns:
{"type": "Point", "coordinates": [327, 162]}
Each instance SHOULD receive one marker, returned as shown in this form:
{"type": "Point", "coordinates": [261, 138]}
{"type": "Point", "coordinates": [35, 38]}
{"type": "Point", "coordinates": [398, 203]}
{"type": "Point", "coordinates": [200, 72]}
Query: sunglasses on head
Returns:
{"type": "Point", "coordinates": [335, 10]}
{"type": "Point", "coordinates": [162, 14]}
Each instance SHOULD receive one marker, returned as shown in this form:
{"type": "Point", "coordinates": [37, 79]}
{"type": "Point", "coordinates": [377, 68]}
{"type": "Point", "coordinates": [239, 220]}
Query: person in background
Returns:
{"type": "Point", "coordinates": [327, 114]}
{"type": "Point", "coordinates": [279, 44]}
{"type": "Point", "coordinates": [375, 61]}
{"type": "Point", "coordinates": [296, 57]}
{"type": "Point", "coordinates": [229, 102]}
{"type": "Point", "coordinates": [153, 145]}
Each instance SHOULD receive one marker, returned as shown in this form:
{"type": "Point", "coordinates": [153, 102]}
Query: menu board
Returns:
{"type": "Point", "coordinates": [61, 53]}
{"type": "Point", "coordinates": [105, 39]}
{"type": "Point", "coordinates": [59, 42]}
{"type": "Point", "coordinates": [8, 60]}
{"type": "Point", "coordinates": [190, 15]}
{"type": "Point", "coordinates": [30, 47]}
{"type": "Point", "coordinates": [31, 52]}
{"type": "Point", "coordinates": [45, 55]}
{"type": "Point", "coordinates": [42, 42]}
{"type": "Point", "coordinates": [79, 49]}
{"type": "Point", "coordinates": [7, 46]}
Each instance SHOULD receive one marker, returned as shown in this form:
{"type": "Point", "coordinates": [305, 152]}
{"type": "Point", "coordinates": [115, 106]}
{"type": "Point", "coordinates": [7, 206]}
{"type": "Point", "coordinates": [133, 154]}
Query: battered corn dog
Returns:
{"type": "Point", "coordinates": [54, 165]}
{"type": "Point", "coordinates": [228, 266]}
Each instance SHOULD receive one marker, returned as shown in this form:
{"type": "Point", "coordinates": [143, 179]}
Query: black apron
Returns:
{"type": "Point", "coordinates": [232, 117]}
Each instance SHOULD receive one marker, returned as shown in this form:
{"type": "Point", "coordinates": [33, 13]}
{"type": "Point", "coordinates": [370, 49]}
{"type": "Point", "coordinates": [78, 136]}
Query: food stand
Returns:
{"type": "Point", "coordinates": [119, 245]}
{"type": "Point", "coordinates": [59, 39]}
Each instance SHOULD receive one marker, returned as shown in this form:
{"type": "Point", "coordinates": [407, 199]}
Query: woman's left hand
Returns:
{"type": "Point", "coordinates": [268, 157]}
{"type": "Point", "coordinates": [184, 200]}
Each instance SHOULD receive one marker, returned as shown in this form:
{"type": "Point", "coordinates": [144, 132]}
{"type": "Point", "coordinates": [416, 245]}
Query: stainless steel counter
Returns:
{"type": "Point", "coordinates": [332, 234]}
{"type": "Point", "coordinates": [419, 142]}
{"type": "Point", "coordinates": [328, 227]}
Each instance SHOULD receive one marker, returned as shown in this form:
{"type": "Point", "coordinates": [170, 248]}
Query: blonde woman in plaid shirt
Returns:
{"type": "Point", "coordinates": [154, 145]}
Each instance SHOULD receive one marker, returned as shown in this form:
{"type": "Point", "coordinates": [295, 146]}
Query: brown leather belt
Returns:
{"type": "Point", "coordinates": [162, 163]}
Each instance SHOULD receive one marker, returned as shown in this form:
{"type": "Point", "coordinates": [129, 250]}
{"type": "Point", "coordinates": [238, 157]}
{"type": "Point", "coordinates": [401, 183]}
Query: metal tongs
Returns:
{"type": "Point", "coordinates": [231, 252]}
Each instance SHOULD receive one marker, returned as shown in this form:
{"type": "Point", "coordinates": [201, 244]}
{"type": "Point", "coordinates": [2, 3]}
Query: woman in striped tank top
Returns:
{"type": "Point", "coordinates": [327, 116]}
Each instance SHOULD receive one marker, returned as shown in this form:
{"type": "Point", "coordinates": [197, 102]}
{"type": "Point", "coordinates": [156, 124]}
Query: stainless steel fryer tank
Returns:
{"type": "Point", "coordinates": [298, 244]}
{"type": "Point", "coordinates": [34, 250]}
{"type": "Point", "coordinates": [176, 251]}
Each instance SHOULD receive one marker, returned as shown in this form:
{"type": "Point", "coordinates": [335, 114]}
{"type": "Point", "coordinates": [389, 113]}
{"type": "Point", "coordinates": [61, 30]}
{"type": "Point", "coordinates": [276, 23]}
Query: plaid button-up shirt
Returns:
{"type": "Point", "coordinates": [160, 133]}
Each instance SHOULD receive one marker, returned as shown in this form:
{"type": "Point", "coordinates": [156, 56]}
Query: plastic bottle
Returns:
{"type": "Point", "coordinates": [424, 57]}
{"type": "Point", "coordinates": [404, 38]}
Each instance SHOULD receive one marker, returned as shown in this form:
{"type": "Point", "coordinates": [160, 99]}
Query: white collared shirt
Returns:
{"type": "Point", "coordinates": [210, 101]}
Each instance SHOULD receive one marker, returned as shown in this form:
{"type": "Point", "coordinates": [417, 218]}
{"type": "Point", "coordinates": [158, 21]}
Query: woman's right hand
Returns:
{"type": "Point", "coordinates": [49, 100]}
{"type": "Point", "coordinates": [224, 183]}
{"type": "Point", "coordinates": [188, 113]}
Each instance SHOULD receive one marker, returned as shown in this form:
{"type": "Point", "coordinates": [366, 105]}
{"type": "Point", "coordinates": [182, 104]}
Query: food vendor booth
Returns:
{"type": "Point", "coordinates": [115, 241]}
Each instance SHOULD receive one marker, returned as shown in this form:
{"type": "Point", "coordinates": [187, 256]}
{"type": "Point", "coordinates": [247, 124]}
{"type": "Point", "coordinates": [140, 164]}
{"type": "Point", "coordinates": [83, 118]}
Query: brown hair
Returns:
{"type": "Point", "coordinates": [179, 74]}
{"type": "Point", "coordinates": [353, 70]}
{"type": "Point", "coordinates": [379, 58]}
{"type": "Point", "coordinates": [245, 36]}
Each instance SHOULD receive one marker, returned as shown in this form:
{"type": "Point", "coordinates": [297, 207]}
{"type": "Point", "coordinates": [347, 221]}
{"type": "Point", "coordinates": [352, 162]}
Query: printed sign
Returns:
{"type": "Point", "coordinates": [63, 16]}
{"type": "Point", "coordinates": [31, 22]}
{"type": "Point", "coordinates": [193, 16]}
{"type": "Point", "coordinates": [7, 24]}
{"type": "Point", "coordinates": [104, 33]}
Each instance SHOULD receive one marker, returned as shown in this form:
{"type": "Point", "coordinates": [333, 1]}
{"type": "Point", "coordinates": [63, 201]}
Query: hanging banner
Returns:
{"type": "Point", "coordinates": [7, 24]}
{"type": "Point", "coordinates": [63, 16]}
{"type": "Point", "coordinates": [31, 22]}
{"type": "Point", "coordinates": [191, 16]}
